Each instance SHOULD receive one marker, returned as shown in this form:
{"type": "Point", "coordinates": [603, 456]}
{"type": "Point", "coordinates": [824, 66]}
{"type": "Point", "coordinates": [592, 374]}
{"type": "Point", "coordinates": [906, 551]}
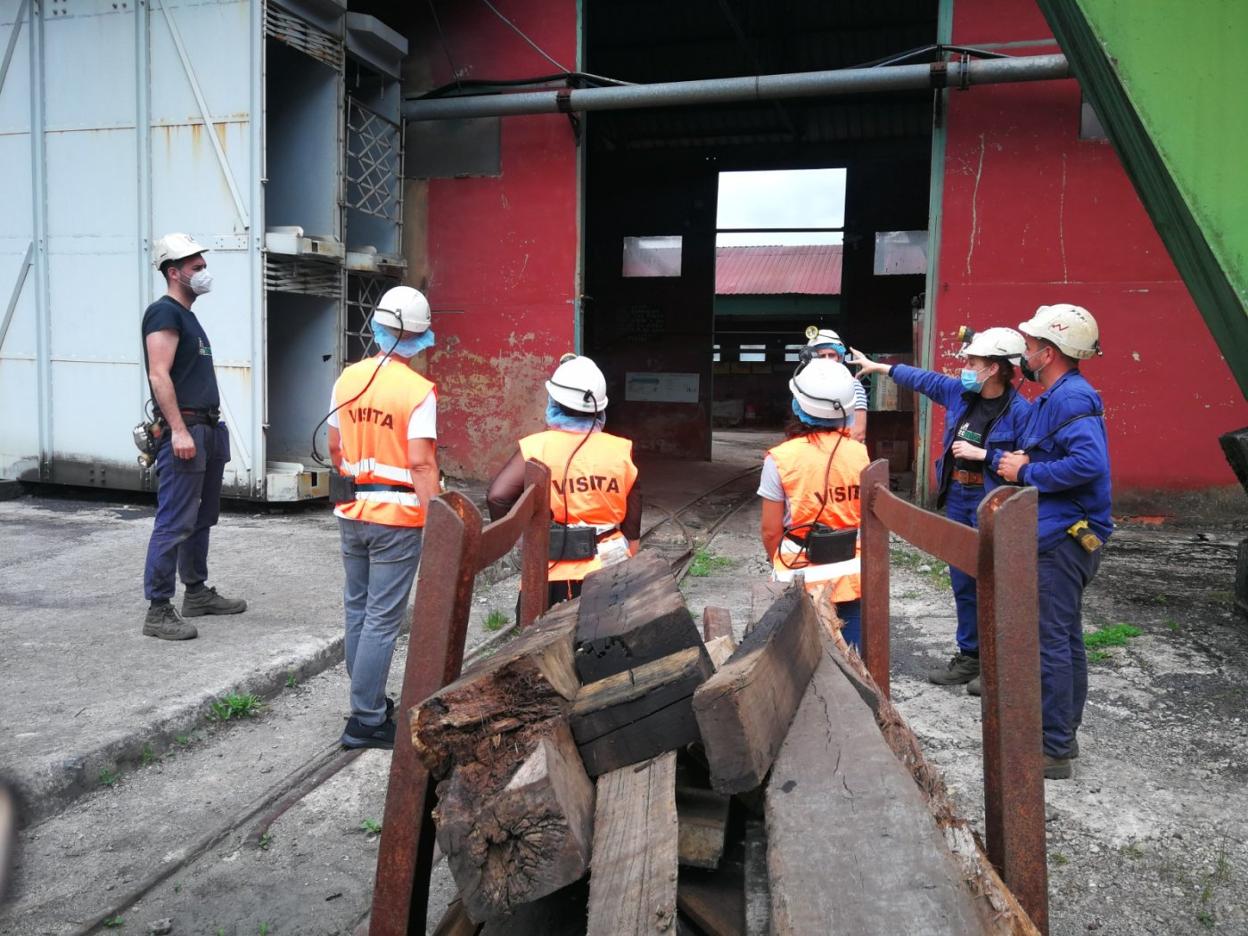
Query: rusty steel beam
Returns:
{"type": "Point", "coordinates": [1009, 652]}
{"type": "Point", "coordinates": [535, 552]}
{"type": "Point", "coordinates": [947, 540]}
{"type": "Point", "coordinates": [439, 627]}
{"type": "Point", "coordinates": [874, 558]}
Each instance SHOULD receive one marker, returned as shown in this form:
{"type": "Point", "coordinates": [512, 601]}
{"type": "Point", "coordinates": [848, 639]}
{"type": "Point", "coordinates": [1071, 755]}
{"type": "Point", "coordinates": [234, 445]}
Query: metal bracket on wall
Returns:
{"type": "Point", "coordinates": [563, 100]}
{"type": "Point", "coordinates": [22, 270]}
{"type": "Point", "coordinates": [206, 116]}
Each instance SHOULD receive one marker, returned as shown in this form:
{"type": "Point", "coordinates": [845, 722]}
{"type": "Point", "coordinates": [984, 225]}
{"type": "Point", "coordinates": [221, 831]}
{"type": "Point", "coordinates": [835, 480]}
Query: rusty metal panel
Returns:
{"type": "Point", "coordinates": [947, 540]}
{"type": "Point", "coordinates": [875, 584]}
{"type": "Point", "coordinates": [1010, 675]}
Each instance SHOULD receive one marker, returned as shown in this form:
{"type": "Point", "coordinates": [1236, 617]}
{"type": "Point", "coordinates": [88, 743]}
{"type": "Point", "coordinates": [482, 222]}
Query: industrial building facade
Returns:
{"type": "Point", "coordinates": [529, 233]}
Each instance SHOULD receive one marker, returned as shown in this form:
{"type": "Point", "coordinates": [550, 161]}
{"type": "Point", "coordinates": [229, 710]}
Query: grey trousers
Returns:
{"type": "Point", "coordinates": [380, 564]}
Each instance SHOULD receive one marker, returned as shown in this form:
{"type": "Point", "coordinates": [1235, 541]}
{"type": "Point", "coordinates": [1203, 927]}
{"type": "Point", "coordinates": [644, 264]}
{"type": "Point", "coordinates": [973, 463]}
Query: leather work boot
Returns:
{"type": "Point", "coordinates": [973, 687]}
{"type": "Point", "coordinates": [207, 601]}
{"type": "Point", "coordinates": [1057, 768]}
{"type": "Point", "coordinates": [163, 621]}
{"type": "Point", "coordinates": [357, 735]}
{"type": "Point", "coordinates": [960, 669]}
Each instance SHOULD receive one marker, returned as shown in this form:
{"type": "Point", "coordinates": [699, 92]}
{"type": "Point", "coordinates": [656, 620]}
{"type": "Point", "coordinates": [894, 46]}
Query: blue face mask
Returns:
{"type": "Point", "coordinates": [407, 347]}
{"type": "Point", "coordinates": [971, 381]}
{"type": "Point", "coordinates": [816, 421]}
{"type": "Point", "coordinates": [556, 418]}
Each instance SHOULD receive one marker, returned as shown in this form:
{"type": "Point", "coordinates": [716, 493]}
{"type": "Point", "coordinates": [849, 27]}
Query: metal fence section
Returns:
{"type": "Point", "coordinates": [1001, 554]}
{"type": "Point", "coordinates": [374, 163]}
{"type": "Point", "coordinates": [364, 292]}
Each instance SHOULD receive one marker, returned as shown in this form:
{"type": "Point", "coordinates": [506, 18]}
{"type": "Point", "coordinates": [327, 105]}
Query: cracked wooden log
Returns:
{"type": "Point", "coordinates": [494, 714]}
{"type": "Point", "coordinates": [744, 710]}
{"type": "Point", "coordinates": [720, 649]}
{"type": "Point", "coordinates": [528, 840]}
{"type": "Point", "coordinates": [879, 863]}
{"type": "Point", "coordinates": [632, 883]}
{"type": "Point", "coordinates": [630, 614]}
{"type": "Point", "coordinates": [639, 713]}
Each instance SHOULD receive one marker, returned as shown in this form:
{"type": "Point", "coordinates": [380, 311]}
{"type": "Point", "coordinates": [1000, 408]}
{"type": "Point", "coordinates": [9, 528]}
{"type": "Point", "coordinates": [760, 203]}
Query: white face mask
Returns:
{"type": "Point", "coordinates": [200, 282]}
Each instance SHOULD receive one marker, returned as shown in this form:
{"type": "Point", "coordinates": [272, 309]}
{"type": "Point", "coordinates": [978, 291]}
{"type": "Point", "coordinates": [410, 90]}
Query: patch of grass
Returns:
{"type": "Point", "coordinates": [107, 777]}
{"type": "Point", "coordinates": [236, 705]}
{"type": "Point", "coordinates": [148, 756]}
{"type": "Point", "coordinates": [1132, 850]}
{"type": "Point", "coordinates": [1172, 624]}
{"type": "Point", "coordinates": [183, 740]}
{"type": "Point", "coordinates": [1159, 599]}
{"type": "Point", "coordinates": [1116, 635]}
{"type": "Point", "coordinates": [114, 922]}
{"type": "Point", "coordinates": [291, 680]}
{"type": "Point", "coordinates": [1099, 656]}
{"type": "Point", "coordinates": [496, 620]}
{"type": "Point", "coordinates": [264, 929]}
{"type": "Point", "coordinates": [1205, 918]}
{"type": "Point", "coordinates": [266, 839]}
{"type": "Point", "coordinates": [705, 562]}
{"type": "Point", "coordinates": [1059, 859]}
{"type": "Point", "coordinates": [371, 826]}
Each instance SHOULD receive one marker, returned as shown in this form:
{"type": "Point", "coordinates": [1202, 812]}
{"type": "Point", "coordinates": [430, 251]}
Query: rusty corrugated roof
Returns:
{"type": "Point", "coordinates": [778, 270]}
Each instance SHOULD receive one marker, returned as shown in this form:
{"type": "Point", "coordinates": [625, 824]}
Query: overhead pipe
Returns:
{"type": "Point", "coordinates": [961, 73]}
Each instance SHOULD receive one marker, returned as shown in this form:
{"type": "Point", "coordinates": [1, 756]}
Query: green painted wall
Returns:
{"type": "Point", "coordinates": [1184, 67]}
{"type": "Point", "coordinates": [815, 308]}
{"type": "Point", "coordinates": [1169, 79]}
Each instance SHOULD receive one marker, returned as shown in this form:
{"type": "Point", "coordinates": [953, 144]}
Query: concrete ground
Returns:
{"type": "Point", "coordinates": [134, 783]}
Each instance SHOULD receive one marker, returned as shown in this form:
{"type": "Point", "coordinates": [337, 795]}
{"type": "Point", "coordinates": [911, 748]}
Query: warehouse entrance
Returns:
{"type": "Point", "coordinates": [695, 305]}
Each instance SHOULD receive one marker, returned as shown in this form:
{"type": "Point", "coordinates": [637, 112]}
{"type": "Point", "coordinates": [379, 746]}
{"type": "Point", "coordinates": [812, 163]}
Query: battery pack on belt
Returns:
{"type": "Point", "coordinates": [1084, 536]}
{"type": "Point", "coordinates": [575, 544]}
{"type": "Point", "coordinates": [825, 545]}
{"type": "Point", "coordinates": [343, 488]}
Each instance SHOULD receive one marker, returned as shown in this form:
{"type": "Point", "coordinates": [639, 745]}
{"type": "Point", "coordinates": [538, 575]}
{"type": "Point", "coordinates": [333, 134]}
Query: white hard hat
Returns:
{"type": "Point", "coordinates": [822, 336]}
{"type": "Point", "coordinates": [995, 342]}
{"type": "Point", "coordinates": [824, 389]}
{"type": "Point", "coordinates": [403, 309]}
{"type": "Point", "coordinates": [578, 384]}
{"type": "Point", "coordinates": [173, 247]}
{"type": "Point", "coordinates": [1072, 328]}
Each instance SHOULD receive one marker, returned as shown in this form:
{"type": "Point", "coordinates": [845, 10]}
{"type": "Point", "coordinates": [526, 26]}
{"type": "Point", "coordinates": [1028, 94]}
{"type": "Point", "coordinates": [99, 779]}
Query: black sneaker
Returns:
{"type": "Point", "coordinates": [1057, 768]}
{"type": "Point", "coordinates": [974, 688]}
{"type": "Point", "coordinates": [960, 669]}
{"type": "Point", "coordinates": [207, 601]}
{"type": "Point", "coordinates": [163, 621]}
{"type": "Point", "coordinates": [357, 735]}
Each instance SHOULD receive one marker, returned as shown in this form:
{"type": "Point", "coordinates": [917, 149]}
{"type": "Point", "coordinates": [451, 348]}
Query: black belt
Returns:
{"type": "Point", "coordinates": [196, 417]}
{"type": "Point", "coordinates": [383, 486]}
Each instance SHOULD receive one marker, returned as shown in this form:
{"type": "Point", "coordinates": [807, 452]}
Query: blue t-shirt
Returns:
{"type": "Point", "coordinates": [194, 380]}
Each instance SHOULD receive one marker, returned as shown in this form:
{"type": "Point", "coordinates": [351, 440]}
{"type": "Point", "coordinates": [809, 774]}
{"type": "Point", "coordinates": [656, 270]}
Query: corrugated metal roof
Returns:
{"type": "Point", "coordinates": [813, 270]}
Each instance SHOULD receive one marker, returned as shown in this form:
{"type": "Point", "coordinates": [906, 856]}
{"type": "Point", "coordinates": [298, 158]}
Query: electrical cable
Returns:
{"type": "Point", "coordinates": [813, 524]}
{"type": "Point", "coordinates": [519, 32]}
{"type": "Point", "coordinates": [446, 49]}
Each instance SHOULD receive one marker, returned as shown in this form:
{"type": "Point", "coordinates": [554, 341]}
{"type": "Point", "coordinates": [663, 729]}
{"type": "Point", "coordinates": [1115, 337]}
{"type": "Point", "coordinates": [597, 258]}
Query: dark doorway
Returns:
{"type": "Point", "coordinates": [652, 313]}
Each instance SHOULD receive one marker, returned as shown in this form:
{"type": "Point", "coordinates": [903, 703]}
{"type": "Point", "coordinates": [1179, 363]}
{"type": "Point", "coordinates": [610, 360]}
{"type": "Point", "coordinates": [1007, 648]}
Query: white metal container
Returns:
{"type": "Point", "coordinates": [225, 119]}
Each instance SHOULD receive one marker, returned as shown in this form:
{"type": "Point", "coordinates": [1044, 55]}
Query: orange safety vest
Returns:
{"type": "Point", "coordinates": [373, 430]}
{"type": "Point", "coordinates": [803, 463]}
{"type": "Point", "coordinates": [599, 479]}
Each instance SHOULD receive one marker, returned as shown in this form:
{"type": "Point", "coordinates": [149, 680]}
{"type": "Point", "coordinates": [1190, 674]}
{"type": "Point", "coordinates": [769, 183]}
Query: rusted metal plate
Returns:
{"type": "Point", "coordinates": [439, 627]}
{"type": "Point", "coordinates": [947, 540]}
{"type": "Point", "coordinates": [534, 567]}
{"type": "Point", "coordinates": [875, 575]}
{"type": "Point", "coordinates": [1009, 648]}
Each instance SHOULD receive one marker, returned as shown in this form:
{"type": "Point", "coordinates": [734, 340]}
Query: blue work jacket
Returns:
{"type": "Point", "coordinates": [948, 392]}
{"type": "Point", "coordinates": [1065, 438]}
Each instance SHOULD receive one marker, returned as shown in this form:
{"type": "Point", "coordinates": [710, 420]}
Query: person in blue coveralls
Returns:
{"type": "Point", "coordinates": [1063, 452]}
{"type": "Point", "coordinates": [983, 414]}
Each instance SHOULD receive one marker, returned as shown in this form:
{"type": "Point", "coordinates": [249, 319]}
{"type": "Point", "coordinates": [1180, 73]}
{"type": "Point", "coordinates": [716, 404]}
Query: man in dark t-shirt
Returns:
{"type": "Point", "coordinates": [193, 445]}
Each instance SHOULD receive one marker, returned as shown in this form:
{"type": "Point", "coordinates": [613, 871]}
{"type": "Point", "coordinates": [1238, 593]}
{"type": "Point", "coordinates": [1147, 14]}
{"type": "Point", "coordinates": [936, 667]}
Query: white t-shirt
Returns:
{"type": "Point", "coordinates": [423, 423]}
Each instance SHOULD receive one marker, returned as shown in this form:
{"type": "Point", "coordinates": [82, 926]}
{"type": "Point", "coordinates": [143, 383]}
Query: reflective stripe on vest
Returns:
{"type": "Point", "coordinates": [802, 464]}
{"type": "Point", "coordinates": [373, 433]}
{"type": "Point", "coordinates": [598, 482]}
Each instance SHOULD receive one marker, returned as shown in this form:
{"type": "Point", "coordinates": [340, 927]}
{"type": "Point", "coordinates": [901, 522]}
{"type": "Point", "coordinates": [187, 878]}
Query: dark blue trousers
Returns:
{"type": "Point", "coordinates": [1064, 572]}
{"type": "Point", "coordinates": [850, 613]}
{"type": "Point", "coordinates": [188, 502]}
{"type": "Point", "coordinates": [960, 505]}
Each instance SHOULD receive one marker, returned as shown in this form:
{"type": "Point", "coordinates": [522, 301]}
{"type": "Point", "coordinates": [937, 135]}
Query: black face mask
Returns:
{"type": "Point", "coordinates": [1028, 373]}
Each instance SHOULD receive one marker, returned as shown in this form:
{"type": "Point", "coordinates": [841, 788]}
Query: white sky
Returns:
{"type": "Point", "coordinates": [779, 199]}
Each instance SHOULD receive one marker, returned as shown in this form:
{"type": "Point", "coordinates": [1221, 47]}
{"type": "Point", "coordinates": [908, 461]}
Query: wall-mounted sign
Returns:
{"type": "Point", "coordinates": [656, 387]}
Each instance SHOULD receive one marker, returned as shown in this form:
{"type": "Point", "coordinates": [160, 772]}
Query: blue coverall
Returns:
{"type": "Point", "coordinates": [1064, 437]}
{"type": "Point", "coordinates": [961, 501]}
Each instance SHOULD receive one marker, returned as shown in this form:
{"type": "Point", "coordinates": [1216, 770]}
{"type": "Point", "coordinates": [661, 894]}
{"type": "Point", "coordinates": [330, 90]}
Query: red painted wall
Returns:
{"type": "Point", "coordinates": [502, 251]}
{"type": "Point", "coordinates": [1033, 215]}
